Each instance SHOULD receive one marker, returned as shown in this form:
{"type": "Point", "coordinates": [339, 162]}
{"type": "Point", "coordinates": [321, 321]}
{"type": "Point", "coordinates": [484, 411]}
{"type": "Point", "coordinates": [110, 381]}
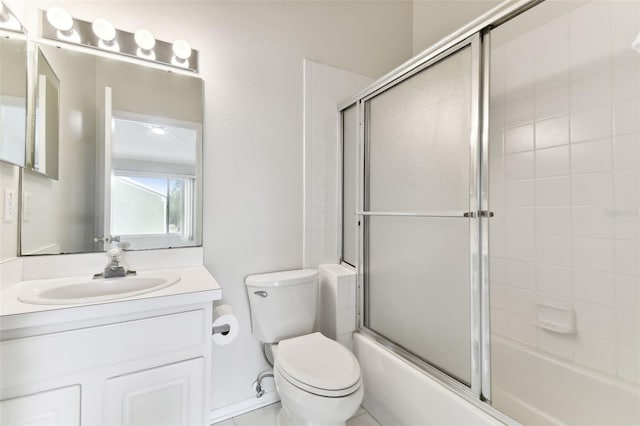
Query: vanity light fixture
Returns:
{"type": "Point", "coordinates": [102, 35]}
{"type": "Point", "coordinates": [106, 33]}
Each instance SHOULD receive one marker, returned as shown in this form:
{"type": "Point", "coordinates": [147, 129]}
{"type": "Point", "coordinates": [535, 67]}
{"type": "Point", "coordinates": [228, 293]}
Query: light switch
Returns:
{"type": "Point", "coordinates": [9, 211]}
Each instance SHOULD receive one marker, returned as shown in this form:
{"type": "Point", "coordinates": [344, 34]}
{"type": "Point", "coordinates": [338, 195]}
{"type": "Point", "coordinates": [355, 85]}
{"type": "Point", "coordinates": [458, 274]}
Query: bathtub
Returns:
{"type": "Point", "coordinates": [537, 389]}
{"type": "Point", "coordinates": [396, 393]}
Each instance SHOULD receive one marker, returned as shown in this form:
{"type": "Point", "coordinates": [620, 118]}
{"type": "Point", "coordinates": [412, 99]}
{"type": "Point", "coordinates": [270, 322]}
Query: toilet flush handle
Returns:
{"type": "Point", "coordinates": [261, 293]}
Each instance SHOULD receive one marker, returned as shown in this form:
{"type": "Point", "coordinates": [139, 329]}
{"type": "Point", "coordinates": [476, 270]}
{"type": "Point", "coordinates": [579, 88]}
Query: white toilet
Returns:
{"type": "Point", "coordinates": [317, 378]}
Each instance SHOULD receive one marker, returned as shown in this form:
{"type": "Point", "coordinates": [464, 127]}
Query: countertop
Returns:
{"type": "Point", "coordinates": [196, 285]}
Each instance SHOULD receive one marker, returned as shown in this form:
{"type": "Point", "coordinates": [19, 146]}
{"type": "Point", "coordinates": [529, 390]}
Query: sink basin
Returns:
{"type": "Point", "coordinates": [70, 291]}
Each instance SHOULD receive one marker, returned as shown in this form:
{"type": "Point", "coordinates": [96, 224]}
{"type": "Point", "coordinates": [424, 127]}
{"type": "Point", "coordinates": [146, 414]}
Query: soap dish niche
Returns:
{"type": "Point", "coordinates": [556, 319]}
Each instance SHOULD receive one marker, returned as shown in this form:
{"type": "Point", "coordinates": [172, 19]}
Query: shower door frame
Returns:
{"type": "Point", "coordinates": [477, 31]}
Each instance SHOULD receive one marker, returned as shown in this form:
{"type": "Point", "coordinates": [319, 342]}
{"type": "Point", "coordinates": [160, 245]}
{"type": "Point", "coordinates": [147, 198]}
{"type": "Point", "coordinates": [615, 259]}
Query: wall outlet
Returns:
{"type": "Point", "coordinates": [9, 210]}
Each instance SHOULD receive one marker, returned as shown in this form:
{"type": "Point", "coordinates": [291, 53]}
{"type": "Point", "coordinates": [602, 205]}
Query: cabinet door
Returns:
{"type": "Point", "coordinates": [169, 395]}
{"type": "Point", "coordinates": [50, 408]}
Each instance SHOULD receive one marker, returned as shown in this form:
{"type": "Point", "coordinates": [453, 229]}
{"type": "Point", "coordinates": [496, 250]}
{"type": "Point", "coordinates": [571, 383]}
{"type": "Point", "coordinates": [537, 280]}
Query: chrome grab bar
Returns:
{"type": "Point", "coordinates": [435, 213]}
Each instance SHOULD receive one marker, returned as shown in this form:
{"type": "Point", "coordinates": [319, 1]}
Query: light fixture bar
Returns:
{"type": "Point", "coordinates": [124, 43]}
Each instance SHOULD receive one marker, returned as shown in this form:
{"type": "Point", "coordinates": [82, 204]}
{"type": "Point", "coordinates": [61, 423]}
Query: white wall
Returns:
{"type": "Point", "coordinates": [324, 87]}
{"type": "Point", "coordinates": [251, 57]}
{"type": "Point", "coordinates": [8, 229]}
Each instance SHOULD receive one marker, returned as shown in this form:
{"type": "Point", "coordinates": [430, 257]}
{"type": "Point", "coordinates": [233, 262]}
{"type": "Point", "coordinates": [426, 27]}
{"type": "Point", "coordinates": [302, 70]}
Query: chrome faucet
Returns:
{"type": "Point", "coordinates": [114, 266]}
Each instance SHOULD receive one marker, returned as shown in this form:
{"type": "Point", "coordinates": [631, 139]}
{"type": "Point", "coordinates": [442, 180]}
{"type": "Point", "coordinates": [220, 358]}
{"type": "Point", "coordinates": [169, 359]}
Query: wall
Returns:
{"type": "Point", "coordinates": [8, 229]}
{"type": "Point", "coordinates": [324, 88]}
{"type": "Point", "coordinates": [252, 63]}
{"type": "Point", "coordinates": [565, 180]}
{"type": "Point", "coordinates": [434, 20]}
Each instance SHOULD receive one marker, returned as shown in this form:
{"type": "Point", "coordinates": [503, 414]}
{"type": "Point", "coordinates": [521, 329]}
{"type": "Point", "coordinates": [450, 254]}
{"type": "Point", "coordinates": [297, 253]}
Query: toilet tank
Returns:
{"type": "Point", "coordinates": [283, 304]}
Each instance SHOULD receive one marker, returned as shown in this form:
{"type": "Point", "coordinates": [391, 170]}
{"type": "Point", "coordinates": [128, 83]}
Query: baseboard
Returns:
{"type": "Point", "coordinates": [243, 407]}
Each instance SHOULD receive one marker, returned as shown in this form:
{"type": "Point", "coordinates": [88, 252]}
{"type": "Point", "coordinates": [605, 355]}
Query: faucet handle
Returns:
{"type": "Point", "coordinates": [107, 239]}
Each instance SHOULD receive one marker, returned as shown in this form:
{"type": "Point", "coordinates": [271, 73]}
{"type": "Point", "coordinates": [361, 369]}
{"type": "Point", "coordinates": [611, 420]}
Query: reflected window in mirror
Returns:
{"type": "Point", "coordinates": [13, 100]}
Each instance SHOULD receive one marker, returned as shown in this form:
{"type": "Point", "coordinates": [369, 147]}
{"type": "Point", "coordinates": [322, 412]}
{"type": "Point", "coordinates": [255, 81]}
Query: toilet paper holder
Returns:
{"type": "Point", "coordinates": [223, 329]}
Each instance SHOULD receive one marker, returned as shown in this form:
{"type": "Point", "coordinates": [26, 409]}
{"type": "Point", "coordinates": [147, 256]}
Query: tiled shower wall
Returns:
{"type": "Point", "coordinates": [564, 185]}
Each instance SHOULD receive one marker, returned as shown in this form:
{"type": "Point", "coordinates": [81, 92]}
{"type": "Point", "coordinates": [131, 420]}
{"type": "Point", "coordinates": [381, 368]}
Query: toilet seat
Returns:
{"type": "Point", "coordinates": [318, 365]}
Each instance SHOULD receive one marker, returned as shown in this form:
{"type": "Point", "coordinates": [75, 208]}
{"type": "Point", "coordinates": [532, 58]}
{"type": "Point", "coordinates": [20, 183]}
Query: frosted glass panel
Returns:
{"type": "Point", "coordinates": [418, 140]}
{"type": "Point", "coordinates": [418, 288]}
{"type": "Point", "coordinates": [349, 182]}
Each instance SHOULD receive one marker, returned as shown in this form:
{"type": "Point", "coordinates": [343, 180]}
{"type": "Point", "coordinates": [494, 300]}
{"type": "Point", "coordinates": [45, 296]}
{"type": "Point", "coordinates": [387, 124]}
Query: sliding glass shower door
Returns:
{"type": "Point", "coordinates": [421, 230]}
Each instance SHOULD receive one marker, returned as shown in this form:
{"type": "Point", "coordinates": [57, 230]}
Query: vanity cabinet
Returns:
{"type": "Point", "coordinates": [149, 367]}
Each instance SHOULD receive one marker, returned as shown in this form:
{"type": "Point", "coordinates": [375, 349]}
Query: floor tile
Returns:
{"type": "Point", "coordinates": [265, 416]}
{"type": "Point", "coordinates": [364, 419]}
{"type": "Point", "coordinates": [228, 422]}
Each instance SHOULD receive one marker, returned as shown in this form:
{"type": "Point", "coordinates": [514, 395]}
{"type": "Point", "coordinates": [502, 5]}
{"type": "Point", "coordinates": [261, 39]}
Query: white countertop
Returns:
{"type": "Point", "coordinates": [196, 285]}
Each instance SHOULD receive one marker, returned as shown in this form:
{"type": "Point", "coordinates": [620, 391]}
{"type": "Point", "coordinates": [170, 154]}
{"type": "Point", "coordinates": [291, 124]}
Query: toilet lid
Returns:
{"type": "Point", "coordinates": [318, 365]}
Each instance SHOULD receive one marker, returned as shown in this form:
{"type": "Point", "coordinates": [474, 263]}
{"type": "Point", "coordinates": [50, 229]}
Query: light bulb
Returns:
{"type": "Point", "coordinates": [104, 30]}
{"type": "Point", "coordinates": [59, 19]}
{"type": "Point", "coordinates": [181, 49]}
{"type": "Point", "coordinates": [144, 39]}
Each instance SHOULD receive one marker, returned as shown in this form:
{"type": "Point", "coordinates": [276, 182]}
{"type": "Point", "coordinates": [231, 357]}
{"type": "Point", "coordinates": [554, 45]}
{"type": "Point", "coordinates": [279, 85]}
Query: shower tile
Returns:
{"type": "Point", "coordinates": [553, 250]}
{"type": "Point", "coordinates": [521, 247]}
{"type": "Point", "coordinates": [552, 132]}
{"type": "Point", "coordinates": [592, 253]}
{"type": "Point", "coordinates": [592, 189]}
{"type": "Point", "coordinates": [627, 151]}
{"type": "Point", "coordinates": [519, 166]}
{"type": "Point", "coordinates": [628, 330]}
{"type": "Point", "coordinates": [498, 296]}
{"type": "Point", "coordinates": [553, 102]}
{"type": "Point", "coordinates": [499, 322]}
{"type": "Point", "coordinates": [560, 345]}
{"type": "Point", "coordinates": [520, 193]}
{"type": "Point", "coordinates": [628, 364]}
{"type": "Point", "coordinates": [591, 221]}
{"type": "Point", "coordinates": [589, 59]}
{"type": "Point", "coordinates": [626, 16]}
{"type": "Point", "coordinates": [591, 91]}
{"type": "Point", "coordinates": [588, 157]}
{"type": "Point", "coordinates": [626, 83]}
{"type": "Point", "coordinates": [554, 191]}
{"type": "Point", "coordinates": [553, 280]}
{"type": "Point", "coordinates": [521, 274]}
{"type": "Point", "coordinates": [498, 270]}
{"type": "Point", "coordinates": [595, 320]}
{"type": "Point", "coordinates": [498, 244]}
{"type": "Point", "coordinates": [518, 112]}
{"type": "Point", "coordinates": [518, 139]}
{"type": "Point", "coordinates": [626, 257]}
{"type": "Point", "coordinates": [552, 73]}
{"type": "Point", "coordinates": [552, 39]}
{"type": "Point", "coordinates": [521, 302]}
{"type": "Point", "coordinates": [594, 123]}
{"type": "Point", "coordinates": [519, 84]}
{"type": "Point", "coordinates": [595, 353]}
{"type": "Point", "coordinates": [626, 187]}
{"type": "Point", "coordinates": [587, 26]}
{"type": "Point", "coordinates": [519, 54]}
{"type": "Point", "coordinates": [626, 116]}
{"type": "Point", "coordinates": [627, 292]}
{"type": "Point", "coordinates": [553, 162]}
{"type": "Point", "coordinates": [521, 220]}
{"type": "Point", "coordinates": [593, 286]}
{"type": "Point", "coordinates": [519, 328]}
{"type": "Point", "coordinates": [553, 221]}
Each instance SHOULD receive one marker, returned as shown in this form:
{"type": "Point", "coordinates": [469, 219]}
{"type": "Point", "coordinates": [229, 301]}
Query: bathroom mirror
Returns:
{"type": "Point", "coordinates": [13, 98]}
{"type": "Point", "coordinates": [129, 159]}
{"type": "Point", "coordinates": [47, 118]}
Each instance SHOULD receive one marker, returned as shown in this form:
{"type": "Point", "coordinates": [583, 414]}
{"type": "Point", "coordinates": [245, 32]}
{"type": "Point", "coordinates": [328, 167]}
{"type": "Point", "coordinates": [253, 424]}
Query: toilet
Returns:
{"type": "Point", "coordinates": [317, 378]}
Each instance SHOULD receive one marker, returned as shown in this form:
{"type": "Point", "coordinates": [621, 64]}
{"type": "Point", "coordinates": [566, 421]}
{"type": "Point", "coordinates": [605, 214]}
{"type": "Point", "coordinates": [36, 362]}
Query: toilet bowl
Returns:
{"type": "Point", "coordinates": [318, 381]}
{"type": "Point", "coordinates": [317, 378]}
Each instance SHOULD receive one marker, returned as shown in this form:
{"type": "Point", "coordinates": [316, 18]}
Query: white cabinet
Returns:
{"type": "Point", "coordinates": [164, 396]}
{"type": "Point", "coordinates": [59, 407]}
{"type": "Point", "coordinates": [137, 368]}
